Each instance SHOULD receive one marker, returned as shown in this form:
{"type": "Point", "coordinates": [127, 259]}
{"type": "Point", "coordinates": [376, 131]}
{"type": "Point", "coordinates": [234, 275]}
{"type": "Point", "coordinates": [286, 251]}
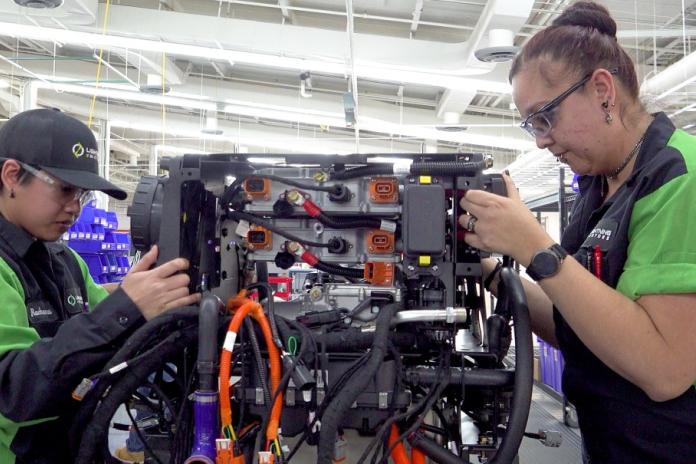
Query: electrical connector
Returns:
{"type": "Point", "coordinates": [223, 451]}
{"type": "Point", "coordinates": [551, 438]}
{"type": "Point", "coordinates": [300, 375]}
{"type": "Point", "coordinates": [266, 457]}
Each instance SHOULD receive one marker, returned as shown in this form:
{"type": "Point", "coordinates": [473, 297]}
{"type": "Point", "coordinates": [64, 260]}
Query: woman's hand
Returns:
{"type": "Point", "coordinates": [157, 290]}
{"type": "Point", "coordinates": [503, 224]}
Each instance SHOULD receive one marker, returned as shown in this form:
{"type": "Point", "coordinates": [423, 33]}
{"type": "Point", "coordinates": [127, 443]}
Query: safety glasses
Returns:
{"type": "Point", "coordinates": [65, 193]}
{"type": "Point", "coordinates": [540, 123]}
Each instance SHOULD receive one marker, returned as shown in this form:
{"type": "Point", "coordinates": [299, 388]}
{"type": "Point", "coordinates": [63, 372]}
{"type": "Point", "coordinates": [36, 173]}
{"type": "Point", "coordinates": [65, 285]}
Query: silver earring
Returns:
{"type": "Point", "coordinates": [609, 118]}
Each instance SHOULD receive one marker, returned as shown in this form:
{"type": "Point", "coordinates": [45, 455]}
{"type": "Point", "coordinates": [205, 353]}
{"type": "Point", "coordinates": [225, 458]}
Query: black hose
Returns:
{"type": "Point", "coordinates": [354, 339]}
{"type": "Point", "coordinates": [339, 270]}
{"type": "Point", "coordinates": [364, 171]}
{"type": "Point", "coordinates": [349, 223]}
{"type": "Point", "coordinates": [447, 168]}
{"type": "Point", "coordinates": [207, 343]}
{"type": "Point", "coordinates": [340, 405]}
{"type": "Point", "coordinates": [260, 365]}
{"type": "Point", "coordinates": [511, 292]}
{"type": "Point", "coordinates": [499, 378]}
{"type": "Point", "coordinates": [433, 168]}
{"type": "Point", "coordinates": [433, 450]}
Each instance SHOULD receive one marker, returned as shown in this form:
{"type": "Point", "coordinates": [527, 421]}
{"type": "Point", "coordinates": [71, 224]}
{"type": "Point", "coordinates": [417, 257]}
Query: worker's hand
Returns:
{"type": "Point", "coordinates": [156, 290]}
{"type": "Point", "coordinates": [503, 224]}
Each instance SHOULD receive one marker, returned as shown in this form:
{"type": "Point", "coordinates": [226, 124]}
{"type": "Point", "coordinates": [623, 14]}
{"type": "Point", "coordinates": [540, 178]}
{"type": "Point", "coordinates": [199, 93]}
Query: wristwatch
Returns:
{"type": "Point", "coordinates": [547, 262]}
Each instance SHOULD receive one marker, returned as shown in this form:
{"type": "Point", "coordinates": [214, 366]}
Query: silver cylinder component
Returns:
{"type": "Point", "coordinates": [452, 315]}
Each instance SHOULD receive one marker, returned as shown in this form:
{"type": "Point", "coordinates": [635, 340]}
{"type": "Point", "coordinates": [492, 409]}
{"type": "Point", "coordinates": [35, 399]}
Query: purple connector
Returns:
{"type": "Point", "coordinates": [205, 411]}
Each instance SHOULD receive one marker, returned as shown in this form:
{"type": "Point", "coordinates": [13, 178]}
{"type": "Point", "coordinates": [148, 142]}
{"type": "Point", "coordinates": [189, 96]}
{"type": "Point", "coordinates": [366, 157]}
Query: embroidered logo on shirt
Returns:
{"type": "Point", "coordinates": [603, 234]}
{"type": "Point", "coordinates": [41, 311]}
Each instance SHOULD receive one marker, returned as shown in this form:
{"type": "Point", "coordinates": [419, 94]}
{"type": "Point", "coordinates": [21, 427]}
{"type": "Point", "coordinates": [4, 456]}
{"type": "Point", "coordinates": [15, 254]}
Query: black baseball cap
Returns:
{"type": "Point", "coordinates": [60, 145]}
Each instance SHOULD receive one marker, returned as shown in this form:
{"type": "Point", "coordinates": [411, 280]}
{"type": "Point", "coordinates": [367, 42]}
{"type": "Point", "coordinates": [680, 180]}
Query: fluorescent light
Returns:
{"type": "Point", "coordinates": [363, 70]}
{"type": "Point", "coordinates": [271, 161]}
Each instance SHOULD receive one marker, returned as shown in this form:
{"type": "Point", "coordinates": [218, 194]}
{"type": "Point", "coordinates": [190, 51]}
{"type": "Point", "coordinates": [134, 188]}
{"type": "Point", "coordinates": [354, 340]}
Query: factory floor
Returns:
{"type": "Point", "coordinates": [546, 413]}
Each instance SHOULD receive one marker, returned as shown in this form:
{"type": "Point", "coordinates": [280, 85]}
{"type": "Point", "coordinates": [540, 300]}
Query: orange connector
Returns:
{"type": "Point", "coordinates": [259, 238]}
{"type": "Point", "coordinates": [384, 190]}
{"type": "Point", "coordinates": [257, 188]}
{"type": "Point", "coordinates": [379, 273]}
{"type": "Point", "coordinates": [380, 242]}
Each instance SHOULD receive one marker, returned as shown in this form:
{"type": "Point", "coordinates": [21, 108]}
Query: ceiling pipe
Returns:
{"type": "Point", "coordinates": [674, 77]}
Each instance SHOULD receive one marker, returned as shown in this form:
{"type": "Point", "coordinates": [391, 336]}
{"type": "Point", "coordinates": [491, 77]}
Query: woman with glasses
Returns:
{"type": "Point", "coordinates": [618, 295]}
{"type": "Point", "coordinates": [57, 326]}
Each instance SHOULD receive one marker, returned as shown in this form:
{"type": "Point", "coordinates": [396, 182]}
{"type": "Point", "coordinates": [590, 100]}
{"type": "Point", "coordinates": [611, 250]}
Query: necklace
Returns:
{"type": "Point", "coordinates": [628, 158]}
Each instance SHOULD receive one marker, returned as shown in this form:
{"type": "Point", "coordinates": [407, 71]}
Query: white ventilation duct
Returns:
{"type": "Point", "coordinates": [671, 79]}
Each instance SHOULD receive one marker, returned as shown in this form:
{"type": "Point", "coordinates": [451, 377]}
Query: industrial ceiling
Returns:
{"type": "Point", "coordinates": [165, 77]}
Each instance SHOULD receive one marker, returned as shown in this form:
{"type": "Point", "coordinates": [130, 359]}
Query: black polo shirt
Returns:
{"type": "Point", "coordinates": [647, 234]}
{"type": "Point", "coordinates": [56, 327]}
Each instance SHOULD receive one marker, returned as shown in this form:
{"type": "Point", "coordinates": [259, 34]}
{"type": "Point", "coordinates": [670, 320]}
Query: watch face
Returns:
{"type": "Point", "coordinates": [545, 263]}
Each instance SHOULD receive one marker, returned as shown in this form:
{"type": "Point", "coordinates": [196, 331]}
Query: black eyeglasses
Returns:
{"type": "Point", "coordinates": [540, 122]}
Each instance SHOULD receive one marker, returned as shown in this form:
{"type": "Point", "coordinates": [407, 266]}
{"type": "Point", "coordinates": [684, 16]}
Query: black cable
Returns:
{"type": "Point", "coordinates": [98, 426]}
{"type": "Point", "coordinates": [240, 215]}
{"type": "Point", "coordinates": [431, 401]}
{"type": "Point", "coordinates": [337, 386]}
{"type": "Point", "coordinates": [414, 410]}
{"type": "Point", "coordinates": [270, 310]}
{"type": "Point", "coordinates": [433, 168]}
{"type": "Point", "coordinates": [340, 405]}
{"type": "Point", "coordinates": [139, 341]}
{"type": "Point", "coordinates": [339, 270]}
{"type": "Point", "coordinates": [142, 437]}
{"type": "Point", "coordinates": [349, 223]}
{"type": "Point", "coordinates": [294, 183]}
{"type": "Point", "coordinates": [180, 432]}
{"type": "Point", "coordinates": [256, 350]}
{"type": "Point", "coordinates": [364, 171]}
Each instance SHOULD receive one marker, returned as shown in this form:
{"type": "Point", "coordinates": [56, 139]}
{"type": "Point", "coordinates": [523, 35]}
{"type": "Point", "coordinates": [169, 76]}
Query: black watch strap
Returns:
{"type": "Point", "coordinates": [489, 280]}
{"type": "Point", "coordinates": [556, 250]}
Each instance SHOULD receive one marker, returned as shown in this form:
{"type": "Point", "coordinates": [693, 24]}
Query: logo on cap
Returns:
{"type": "Point", "coordinates": [78, 150]}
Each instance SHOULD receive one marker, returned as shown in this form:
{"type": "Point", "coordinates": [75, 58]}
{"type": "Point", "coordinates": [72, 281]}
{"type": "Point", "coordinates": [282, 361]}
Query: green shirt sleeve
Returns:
{"type": "Point", "coordinates": [95, 292]}
{"type": "Point", "coordinates": [15, 334]}
{"type": "Point", "coordinates": [662, 249]}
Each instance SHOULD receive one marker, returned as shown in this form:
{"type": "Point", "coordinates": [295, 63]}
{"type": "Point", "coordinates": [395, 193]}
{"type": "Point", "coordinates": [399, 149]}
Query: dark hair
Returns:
{"type": "Point", "coordinates": [584, 38]}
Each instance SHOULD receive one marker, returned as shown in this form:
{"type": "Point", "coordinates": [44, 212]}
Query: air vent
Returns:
{"type": "Point", "coordinates": [39, 4]}
{"type": "Point", "coordinates": [496, 54]}
{"type": "Point", "coordinates": [446, 128]}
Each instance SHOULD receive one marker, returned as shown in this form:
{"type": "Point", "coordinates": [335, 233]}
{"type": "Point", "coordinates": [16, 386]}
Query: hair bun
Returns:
{"type": "Point", "coordinates": [588, 14]}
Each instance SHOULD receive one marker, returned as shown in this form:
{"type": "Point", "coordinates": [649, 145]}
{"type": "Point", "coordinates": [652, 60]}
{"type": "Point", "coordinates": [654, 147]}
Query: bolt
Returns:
{"type": "Point", "coordinates": [293, 196]}
{"type": "Point", "coordinates": [411, 267]}
{"type": "Point", "coordinates": [434, 268]}
{"type": "Point", "coordinates": [292, 247]}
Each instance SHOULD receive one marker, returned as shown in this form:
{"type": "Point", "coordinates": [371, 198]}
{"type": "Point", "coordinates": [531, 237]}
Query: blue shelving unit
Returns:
{"type": "Point", "coordinates": [551, 363]}
{"type": "Point", "coordinates": [104, 250]}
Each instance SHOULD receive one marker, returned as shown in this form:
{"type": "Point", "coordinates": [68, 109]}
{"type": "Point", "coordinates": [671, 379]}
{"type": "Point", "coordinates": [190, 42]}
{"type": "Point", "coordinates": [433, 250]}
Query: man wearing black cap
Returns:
{"type": "Point", "coordinates": [57, 326]}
